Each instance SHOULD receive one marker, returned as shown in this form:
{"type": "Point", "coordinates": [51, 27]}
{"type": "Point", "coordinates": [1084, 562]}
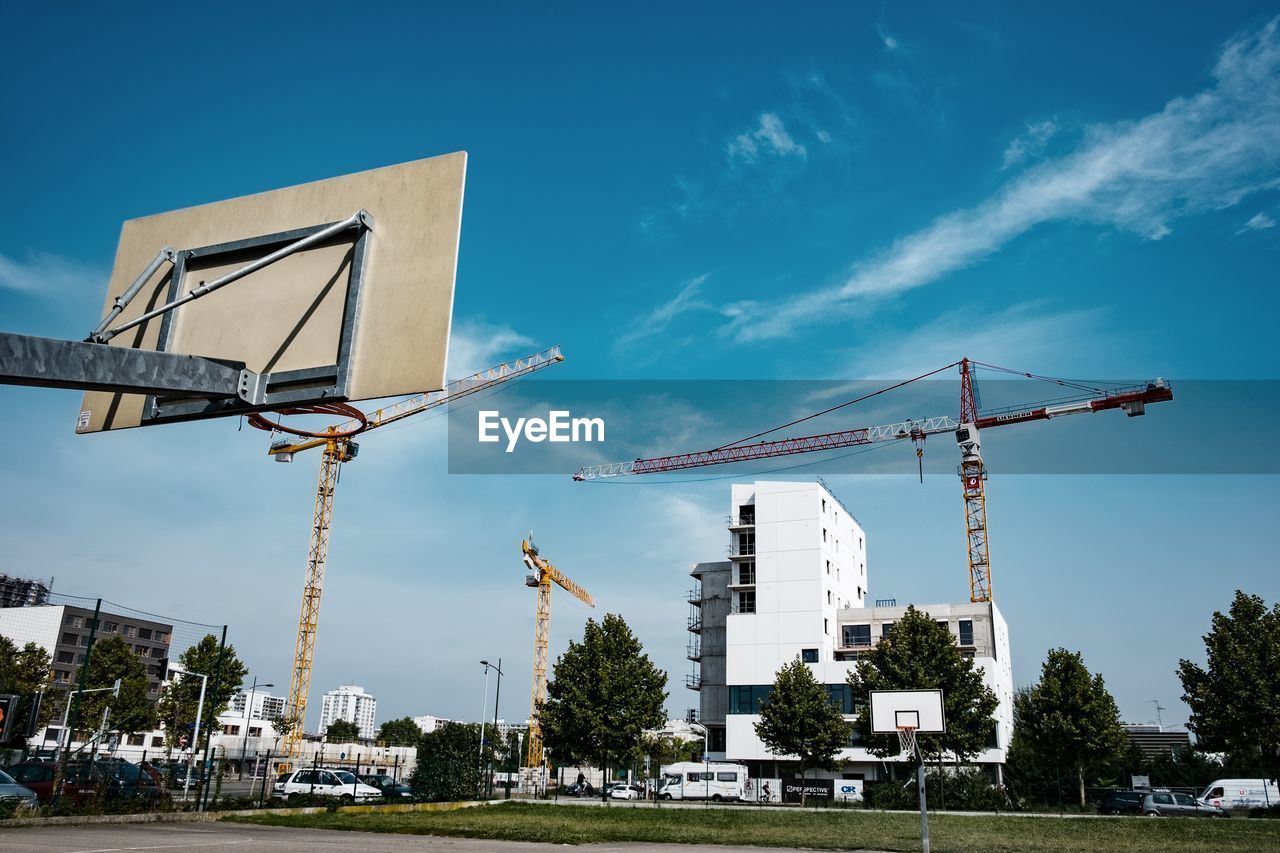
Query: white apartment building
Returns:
{"type": "Point", "coordinates": [265, 706]}
{"type": "Point", "coordinates": [795, 584]}
{"type": "Point", "coordinates": [429, 723]}
{"type": "Point", "coordinates": [350, 702]}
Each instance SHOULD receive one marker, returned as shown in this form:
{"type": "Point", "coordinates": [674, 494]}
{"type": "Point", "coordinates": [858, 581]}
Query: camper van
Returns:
{"type": "Point", "coordinates": [689, 780]}
{"type": "Point", "coordinates": [1241, 793]}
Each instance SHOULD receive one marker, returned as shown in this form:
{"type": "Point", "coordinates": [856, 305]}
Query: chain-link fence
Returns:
{"type": "Point", "coordinates": [110, 704]}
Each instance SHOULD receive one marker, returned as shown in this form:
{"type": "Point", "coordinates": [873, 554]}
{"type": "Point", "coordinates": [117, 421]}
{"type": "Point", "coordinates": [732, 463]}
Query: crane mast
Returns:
{"type": "Point", "coordinates": [339, 448]}
{"type": "Point", "coordinates": [967, 430]}
{"type": "Point", "coordinates": [542, 575]}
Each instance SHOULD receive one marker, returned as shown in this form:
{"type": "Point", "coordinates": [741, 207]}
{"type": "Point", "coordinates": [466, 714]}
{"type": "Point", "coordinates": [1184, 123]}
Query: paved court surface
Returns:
{"type": "Point", "coordinates": [240, 838]}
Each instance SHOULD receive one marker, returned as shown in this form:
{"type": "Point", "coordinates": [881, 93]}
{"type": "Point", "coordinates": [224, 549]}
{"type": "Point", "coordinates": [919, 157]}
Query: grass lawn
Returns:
{"type": "Point", "coordinates": [794, 828]}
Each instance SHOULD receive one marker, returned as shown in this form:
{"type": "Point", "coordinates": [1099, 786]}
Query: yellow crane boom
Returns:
{"type": "Point", "coordinates": [340, 448]}
{"type": "Point", "coordinates": [543, 574]}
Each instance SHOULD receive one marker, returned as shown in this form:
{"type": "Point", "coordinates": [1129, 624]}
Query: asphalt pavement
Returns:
{"type": "Point", "coordinates": [242, 838]}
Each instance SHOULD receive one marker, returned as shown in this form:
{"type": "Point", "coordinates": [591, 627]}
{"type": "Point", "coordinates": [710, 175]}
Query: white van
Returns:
{"type": "Point", "coordinates": [689, 780]}
{"type": "Point", "coordinates": [1241, 793]}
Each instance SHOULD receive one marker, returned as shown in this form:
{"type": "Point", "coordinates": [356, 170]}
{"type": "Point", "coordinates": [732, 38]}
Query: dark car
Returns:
{"type": "Point", "coordinates": [390, 788]}
{"type": "Point", "coordinates": [1122, 802]}
{"type": "Point", "coordinates": [78, 786]}
{"type": "Point", "coordinates": [582, 789]}
{"type": "Point", "coordinates": [1169, 804]}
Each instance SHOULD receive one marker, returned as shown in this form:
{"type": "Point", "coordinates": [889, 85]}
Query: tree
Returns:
{"type": "Point", "coordinates": [1235, 701]}
{"type": "Point", "coordinates": [448, 763]}
{"type": "Point", "coordinates": [799, 718]}
{"type": "Point", "coordinates": [342, 731]}
{"type": "Point", "coordinates": [662, 750]}
{"type": "Point", "coordinates": [604, 694]}
{"type": "Point", "coordinates": [919, 654]}
{"type": "Point", "coordinates": [401, 732]}
{"type": "Point", "coordinates": [25, 672]}
{"type": "Point", "coordinates": [1068, 718]}
{"type": "Point", "coordinates": [133, 710]}
{"type": "Point", "coordinates": [181, 697]}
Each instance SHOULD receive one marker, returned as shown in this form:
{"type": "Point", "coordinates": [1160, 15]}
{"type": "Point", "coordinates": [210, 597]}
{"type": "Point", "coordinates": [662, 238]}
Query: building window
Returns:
{"type": "Point", "coordinates": [828, 567]}
{"type": "Point", "coordinates": [72, 622]}
{"type": "Point", "coordinates": [859, 543]}
{"type": "Point", "coordinates": [859, 593]}
{"type": "Point", "coordinates": [157, 741]}
{"type": "Point", "coordinates": [966, 632]}
{"type": "Point", "coordinates": [824, 534]}
{"type": "Point", "coordinates": [144, 633]}
{"type": "Point", "coordinates": [66, 657]}
{"type": "Point", "coordinates": [84, 641]}
{"type": "Point", "coordinates": [747, 601]}
{"type": "Point", "coordinates": [856, 635]}
{"type": "Point", "coordinates": [70, 639]}
{"type": "Point", "coordinates": [826, 626]}
{"type": "Point", "coordinates": [110, 627]}
{"type": "Point", "coordinates": [885, 628]}
{"type": "Point", "coordinates": [809, 655]}
{"type": "Point", "coordinates": [62, 676]}
{"type": "Point", "coordinates": [136, 740]}
{"type": "Point", "coordinates": [129, 630]}
{"type": "Point", "coordinates": [747, 572]}
{"type": "Point", "coordinates": [162, 637]}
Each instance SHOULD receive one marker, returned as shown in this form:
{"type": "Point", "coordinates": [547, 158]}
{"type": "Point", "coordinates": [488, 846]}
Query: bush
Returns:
{"type": "Point", "coordinates": [963, 789]}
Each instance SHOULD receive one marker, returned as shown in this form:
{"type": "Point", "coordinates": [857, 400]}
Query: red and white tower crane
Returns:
{"type": "Point", "coordinates": [967, 428]}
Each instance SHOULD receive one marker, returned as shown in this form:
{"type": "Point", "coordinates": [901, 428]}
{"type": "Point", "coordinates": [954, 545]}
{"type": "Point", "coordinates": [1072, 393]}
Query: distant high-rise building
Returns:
{"type": "Point", "coordinates": [350, 702]}
{"type": "Point", "coordinates": [265, 706]}
{"type": "Point", "coordinates": [22, 592]}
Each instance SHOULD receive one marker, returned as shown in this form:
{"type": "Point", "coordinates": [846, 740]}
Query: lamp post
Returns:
{"type": "Point", "coordinates": [706, 758]}
{"type": "Point", "coordinates": [195, 735]}
{"type": "Point", "coordinates": [484, 714]}
{"type": "Point", "coordinates": [248, 718]}
{"type": "Point", "coordinates": [497, 694]}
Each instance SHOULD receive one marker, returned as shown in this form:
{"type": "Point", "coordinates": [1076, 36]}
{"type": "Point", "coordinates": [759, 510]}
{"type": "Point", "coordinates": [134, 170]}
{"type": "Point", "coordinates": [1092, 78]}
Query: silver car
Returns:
{"type": "Point", "coordinates": [11, 790]}
{"type": "Point", "coordinates": [1169, 804]}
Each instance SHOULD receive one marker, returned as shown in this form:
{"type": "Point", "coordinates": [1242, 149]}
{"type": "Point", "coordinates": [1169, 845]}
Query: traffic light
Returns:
{"type": "Point", "coordinates": [8, 715]}
{"type": "Point", "coordinates": [33, 715]}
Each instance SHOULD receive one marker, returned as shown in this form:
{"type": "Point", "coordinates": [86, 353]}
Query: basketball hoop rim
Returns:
{"type": "Point", "coordinates": [259, 420]}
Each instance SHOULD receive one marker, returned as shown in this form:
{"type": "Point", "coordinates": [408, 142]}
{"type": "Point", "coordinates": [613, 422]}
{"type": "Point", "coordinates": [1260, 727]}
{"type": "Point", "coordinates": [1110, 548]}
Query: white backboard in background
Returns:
{"type": "Point", "coordinates": [891, 710]}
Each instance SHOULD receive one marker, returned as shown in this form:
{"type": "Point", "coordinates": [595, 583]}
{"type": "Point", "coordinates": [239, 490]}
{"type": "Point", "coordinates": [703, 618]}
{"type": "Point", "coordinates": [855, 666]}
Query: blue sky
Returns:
{"type": "Point", "coordinates": [844, 190]}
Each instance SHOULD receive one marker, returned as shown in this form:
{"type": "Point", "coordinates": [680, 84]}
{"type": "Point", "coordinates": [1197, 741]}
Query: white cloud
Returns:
{"type": "Point", "coordinates": [45, 273]}
{"type": "Point", "coordinates": [1200, 153]}
{"type": "Point", "coordinates": [1029, 144]}
{"type": "Point", "coordinates": [475, 345]}
{"type": "Point", "coordinates": [769, 137]}
{"type": "Point", "coordinates": [1259, 222]}
{"type": "Point", "coordinates": [890, 42]}
{"type": "Point", "coordinates": [660, 318]}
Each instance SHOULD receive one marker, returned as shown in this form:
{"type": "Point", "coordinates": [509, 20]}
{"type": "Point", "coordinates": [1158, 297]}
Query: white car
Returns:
{"type": "Point", "coordinates": [324, 782]}
{"type": "Point", "coordinates": [626, 792]}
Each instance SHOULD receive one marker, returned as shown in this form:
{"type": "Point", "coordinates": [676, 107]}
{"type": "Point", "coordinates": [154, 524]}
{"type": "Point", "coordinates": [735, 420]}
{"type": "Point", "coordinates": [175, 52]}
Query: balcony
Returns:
{"type": "Point", "coordinates": [740, 521]}
{"type": "Point", "coordinates": [742, 579]}
{"type": "Point", "coordinates": [693, 682]}
{"type": "Point", "coordinates": [694, 650]}
{"type": "Point", "coordinates": [741, 550]}
{"type": "Point", "coordinates": [695, 623]}
{"type": "Point", "coordinates": [694, 596]}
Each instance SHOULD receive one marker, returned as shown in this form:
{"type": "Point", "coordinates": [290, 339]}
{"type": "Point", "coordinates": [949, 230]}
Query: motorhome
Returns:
{"type": "Point", "coordinates": [690, 780]}
{"type": "Point", "coordinates": [1241, 793]}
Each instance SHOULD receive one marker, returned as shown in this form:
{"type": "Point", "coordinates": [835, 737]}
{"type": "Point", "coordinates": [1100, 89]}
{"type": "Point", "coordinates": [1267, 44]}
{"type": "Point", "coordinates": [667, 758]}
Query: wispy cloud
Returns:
{"type": "Point", "coordinates": [1203, 152]}
{"type": "Point", "coordinates": [44, 273]}
{"type": "Point", "coordinates": [769, 138]}
{"type": "Point", "coordinates": [475, 345]}
{"type": "Point", "coordinates": [659, 319]}
{"type": "Point", "coordinates": [1030, 143]}
{"type": "Point", "coordinates": [1259, 222]}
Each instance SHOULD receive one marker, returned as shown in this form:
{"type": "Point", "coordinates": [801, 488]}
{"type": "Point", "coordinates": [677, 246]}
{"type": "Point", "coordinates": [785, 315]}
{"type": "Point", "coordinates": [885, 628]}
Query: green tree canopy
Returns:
{"type": "Point", "coordinates": [448, 763]}
{"type": "Point", "coordinates": [1235, 700]}
{"type": "Point", "coordinates": [179, 701]}
{"type": "Point", "coordinates": [1068, 718]}
{"type": "Point", "coordinates": [134, 710]}
{"type": "Point", "coordinates": [604, 694]}
{"type": "Point", "coordinates": [25, 672]}
{"type": "Point", "coordinates": [401, 732]}
{"type": "Point", "coordinates": [919, 654]}
{"type": "Point", "coordinates": [341, 731]}
{"type": "Point", "coordinates": [799, 718]}
{"type": "Point", "coordinates": [662, 750]}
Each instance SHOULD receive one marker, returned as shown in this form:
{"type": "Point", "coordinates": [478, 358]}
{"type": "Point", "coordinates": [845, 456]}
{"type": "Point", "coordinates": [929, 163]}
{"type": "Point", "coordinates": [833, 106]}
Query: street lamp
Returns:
{"type": "Point", "coordinates": [497, 667]}
{"type": "Point", "coordinates": [195, 735]}
{"type": "Point", "coordinates": [248, 718]}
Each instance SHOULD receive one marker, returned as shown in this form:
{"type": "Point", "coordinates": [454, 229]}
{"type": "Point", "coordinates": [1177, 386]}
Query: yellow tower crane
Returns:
{"type": "Point", "coordinates": [339, 448]}
{"type": "Point", "coordinates": [543, 574]}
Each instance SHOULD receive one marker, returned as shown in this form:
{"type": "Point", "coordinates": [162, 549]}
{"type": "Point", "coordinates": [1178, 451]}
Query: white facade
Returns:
{"type": "Point", "coordinates": [350, 702]}
{"type": "Point", "coordinates": [805, 556]}
{"type": "Point", "coordinates": [39, 625]}
{"type": "Point", "coordinates": [429, 723]}
{"type": "Point", "coordinates": [798, 588]}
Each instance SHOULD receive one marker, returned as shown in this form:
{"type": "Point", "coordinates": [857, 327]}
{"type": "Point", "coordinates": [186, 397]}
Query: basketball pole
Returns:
{"type": "Point", "coordinates": [924, 806]}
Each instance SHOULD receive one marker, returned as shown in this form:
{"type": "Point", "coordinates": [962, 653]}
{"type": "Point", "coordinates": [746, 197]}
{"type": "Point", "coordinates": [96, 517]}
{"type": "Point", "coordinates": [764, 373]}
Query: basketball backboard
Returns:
{"type": "Point", "coordinates": [360, 312]}
{"type": "Point", "coordinates": [896, 710]}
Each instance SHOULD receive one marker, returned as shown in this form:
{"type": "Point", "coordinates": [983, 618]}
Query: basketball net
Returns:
{"type": "Point", "coordinates": [907, 740]}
